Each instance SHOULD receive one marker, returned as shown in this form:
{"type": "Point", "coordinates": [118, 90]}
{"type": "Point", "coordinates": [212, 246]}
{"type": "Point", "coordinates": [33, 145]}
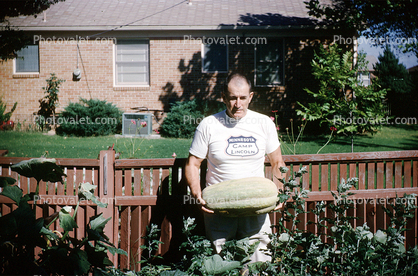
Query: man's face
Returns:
{"type": "Point", "coordinates": [237, 98]}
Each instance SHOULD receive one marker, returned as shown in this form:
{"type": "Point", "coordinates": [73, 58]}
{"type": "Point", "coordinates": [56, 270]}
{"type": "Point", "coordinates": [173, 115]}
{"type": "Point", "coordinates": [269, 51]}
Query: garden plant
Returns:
{"type": "Point", "coordinates": [5, 122]}
{"type": "Point", "coordinates": [22, 233]}
{"type": "Point", "coordinates": [49, 103]}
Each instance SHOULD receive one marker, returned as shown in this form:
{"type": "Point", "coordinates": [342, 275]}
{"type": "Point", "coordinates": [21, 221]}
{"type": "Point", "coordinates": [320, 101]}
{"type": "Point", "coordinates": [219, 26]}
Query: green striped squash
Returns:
{"type": "Point", "coordinates": [241, 197]}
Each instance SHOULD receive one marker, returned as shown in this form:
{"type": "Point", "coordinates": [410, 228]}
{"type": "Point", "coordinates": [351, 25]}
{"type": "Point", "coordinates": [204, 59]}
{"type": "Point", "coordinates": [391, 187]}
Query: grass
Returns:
{"type": "Point", "coordinates": [34, 144]}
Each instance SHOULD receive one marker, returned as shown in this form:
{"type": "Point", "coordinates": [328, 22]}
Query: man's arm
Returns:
{"type": "Point", "coordinates": [276, 161]}
{"type": "Point", "coordinates": [193, 179]}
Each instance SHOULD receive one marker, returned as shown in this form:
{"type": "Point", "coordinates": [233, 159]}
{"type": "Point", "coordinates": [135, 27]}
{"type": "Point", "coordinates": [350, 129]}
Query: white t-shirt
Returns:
{"type": "Point", "coordinates": [234, 148]}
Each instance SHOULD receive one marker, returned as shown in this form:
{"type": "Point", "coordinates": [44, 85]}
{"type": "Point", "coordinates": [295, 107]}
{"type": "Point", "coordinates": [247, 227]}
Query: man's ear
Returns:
{"type": "Point", "coordinates": [224, 97]}
{"type": "Point", "coordinates": [251, 96]}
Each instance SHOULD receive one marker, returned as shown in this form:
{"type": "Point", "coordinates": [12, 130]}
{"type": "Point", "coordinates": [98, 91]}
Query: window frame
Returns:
{"type": "Point", "coordinates": [203, 59]}
{"type": "Point", "coordinates": [115, 63]}
{"type": "Point", "coordinates": [282, 63]}
{"type": "Point", "coordinates": [15, 72]}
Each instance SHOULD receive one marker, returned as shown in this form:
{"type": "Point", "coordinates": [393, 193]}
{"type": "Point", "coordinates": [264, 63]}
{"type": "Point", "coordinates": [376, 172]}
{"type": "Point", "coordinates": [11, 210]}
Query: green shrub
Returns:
{"type": "Point", "coordinates": [5, 116]}
{"type": "Point", "coordinates": [92, 117]}
{"type": "Point", "coordinates": [184, 117]}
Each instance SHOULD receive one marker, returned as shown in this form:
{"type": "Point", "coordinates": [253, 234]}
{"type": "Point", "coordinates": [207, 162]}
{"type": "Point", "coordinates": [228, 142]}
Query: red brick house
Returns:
{"type": "Point", "coordinates": [150, 53]}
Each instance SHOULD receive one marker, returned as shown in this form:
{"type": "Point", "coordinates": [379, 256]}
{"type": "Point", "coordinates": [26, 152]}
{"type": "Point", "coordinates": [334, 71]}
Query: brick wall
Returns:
{"type": "Point", "coordinates": [175, 74]}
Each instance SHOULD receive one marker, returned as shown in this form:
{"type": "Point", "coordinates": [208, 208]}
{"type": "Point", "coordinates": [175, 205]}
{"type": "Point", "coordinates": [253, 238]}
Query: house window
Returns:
{"type": "Point", "coordinates": [269, 63]}
{"type": "Point", "coordinates": [27, 60]}
{"type": "Point", "coordinates": [132, 62]}
{"type": "Point", "coordinates": [364, 78]}
{"type": "Point", "coordinates": [214, 58]}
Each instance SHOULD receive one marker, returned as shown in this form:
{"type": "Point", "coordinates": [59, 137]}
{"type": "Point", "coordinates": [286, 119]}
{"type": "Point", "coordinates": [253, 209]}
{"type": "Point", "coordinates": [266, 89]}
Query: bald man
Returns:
{"type": "Point", "coordinates": [234, 142]}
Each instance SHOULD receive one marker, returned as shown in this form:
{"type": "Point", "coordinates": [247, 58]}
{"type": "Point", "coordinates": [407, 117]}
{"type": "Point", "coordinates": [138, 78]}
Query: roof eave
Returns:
{"type": "Point", "coordinates": [166, 28]}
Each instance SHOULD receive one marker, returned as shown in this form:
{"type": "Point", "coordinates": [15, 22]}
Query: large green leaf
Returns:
{"type": "Point", "coordinates": [95, 231]}
{"type": "Point", "coordinates": [13, 192]}
{"type": "Point", "coordinates": [216, 265]}
{"type": "Point", "coordinates": [113, 250]}
{"type": "Point", "coordinates": [98, 222]}
{"type": "Point", "coordinates": [81, 263]}
{"type": "Point", "coordinates": [40, 169]}
{"type": "Point", "coordinates": [6, 181]}
{"type": "Point", "coordinates": [86, 192]}
{"type": "Point", "coordinates": [66, 220]}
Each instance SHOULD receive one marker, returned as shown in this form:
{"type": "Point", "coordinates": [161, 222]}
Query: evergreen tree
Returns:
{"type": "Point", "coordinates": [393, 76]}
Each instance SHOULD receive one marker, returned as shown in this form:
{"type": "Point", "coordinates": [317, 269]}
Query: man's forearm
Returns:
{"type": "Point", "coordinates": [192, 176]}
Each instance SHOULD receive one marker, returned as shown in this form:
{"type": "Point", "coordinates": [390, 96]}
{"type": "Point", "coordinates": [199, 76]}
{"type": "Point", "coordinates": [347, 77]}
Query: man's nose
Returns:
{"type": "Point", "coordinates": [238, 103]}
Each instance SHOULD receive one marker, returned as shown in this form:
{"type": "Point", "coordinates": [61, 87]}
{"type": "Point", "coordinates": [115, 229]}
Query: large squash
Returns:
{"type": "Point", "coordinates": [241, 197]}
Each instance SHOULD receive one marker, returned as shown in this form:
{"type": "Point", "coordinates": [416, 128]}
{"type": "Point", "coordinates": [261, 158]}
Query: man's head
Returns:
{"type": "Point", "coordinates": [237, 95]}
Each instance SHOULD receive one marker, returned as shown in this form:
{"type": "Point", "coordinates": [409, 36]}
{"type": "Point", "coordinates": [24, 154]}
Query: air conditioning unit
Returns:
{"type": "Point", "coordinates": [131, 124]}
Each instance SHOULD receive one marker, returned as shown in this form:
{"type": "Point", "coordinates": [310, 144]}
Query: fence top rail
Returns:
{"type": "Point", "coordinates": [351, 157]}
{"type": "Point", "coordinates": [73, 162]}
{"type": "Point", "coordinates": [147, 163]}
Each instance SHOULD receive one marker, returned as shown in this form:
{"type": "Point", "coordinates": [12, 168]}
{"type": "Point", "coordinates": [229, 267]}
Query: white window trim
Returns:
{"type": "Point", "coordinates": [28, 73]}
{"type": "Point", "coordinates": [202, 55]}
{"type": "Point", "coordinates": [114, 68]}
{"type": "Point", "coordinates": [255, 68]}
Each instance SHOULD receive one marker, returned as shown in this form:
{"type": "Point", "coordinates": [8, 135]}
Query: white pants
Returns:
{"type": "Point", "coordinates": [220, 229]}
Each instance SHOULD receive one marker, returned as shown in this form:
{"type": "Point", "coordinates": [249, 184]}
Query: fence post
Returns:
{"type": "Point", "coordinates": [106, 192]}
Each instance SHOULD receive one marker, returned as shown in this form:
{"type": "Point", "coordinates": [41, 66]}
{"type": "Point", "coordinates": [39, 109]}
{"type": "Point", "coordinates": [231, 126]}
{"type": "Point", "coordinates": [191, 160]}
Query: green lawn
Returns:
{"type": "Point", "coordinates": [34, 144]}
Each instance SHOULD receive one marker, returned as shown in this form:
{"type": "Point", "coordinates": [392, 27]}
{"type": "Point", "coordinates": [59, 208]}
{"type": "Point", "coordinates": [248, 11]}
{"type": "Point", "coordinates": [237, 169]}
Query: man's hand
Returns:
{"type": "Point", "coordinates": [279, 206]}
{"type": "Point", "coordinates": [202, 205]}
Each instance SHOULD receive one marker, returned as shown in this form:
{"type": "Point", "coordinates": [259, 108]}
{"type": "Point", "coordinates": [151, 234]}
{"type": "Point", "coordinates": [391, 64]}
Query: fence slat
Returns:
{"type": "Point", "coordinates": [407, 174]}
{"type": "Point", "coordinates": [361, 176]}
{"type": "Point", "coordinates": [334, 177]}
{"type": "Point", "coordinates": [389, 175]}
{"type": "Point", "coordinates": [324, 177]}
{"type": "Point", "coordinates": [125, 241]}
{"type": "Point", "coordinates": [370, 175]}
{"type": "Point", "coordinates": [380, 174]}
{"type": "Point", "coordinates": [398, 174]}
{"type": "Point", "coordinates": [137, 182]}
{"type": "Point", "coordinates": [70, 181]}
{"type": "Point", "coordinates": [146, 181]}
{"type": "Point", "coordinates": [118, 182]}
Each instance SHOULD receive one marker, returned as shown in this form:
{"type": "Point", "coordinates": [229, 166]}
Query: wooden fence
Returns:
{"type": "Point", "coordinates": [140, 192]}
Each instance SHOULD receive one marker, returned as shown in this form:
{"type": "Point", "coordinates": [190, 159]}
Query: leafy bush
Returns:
{"type": "Point", "coordinates": [184, 117]}
{"type": "Point", "coordinates": [5, 117]}
{"type": "Point", "coordinates": [21, 232]}
{"type": "Point", "coordinates": [90, 118]}
{"type": "Point", "coordinates": [49, 103]}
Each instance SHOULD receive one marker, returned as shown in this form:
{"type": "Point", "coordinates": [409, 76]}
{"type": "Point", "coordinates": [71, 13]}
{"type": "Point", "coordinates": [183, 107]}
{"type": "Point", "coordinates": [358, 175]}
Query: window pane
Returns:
{"type": "Point", "coordinates": [215, 58]}
{"type": "Point", "coordinates": [132, 62]}
{"type": "Point", "coordinates": [28, 59]}
{"type": "Point", "coordinates": [269, 63]}
{"type": "Point", "coordinates": [132, 52]}
{"type": "Point", "coordinates": [132, 73]}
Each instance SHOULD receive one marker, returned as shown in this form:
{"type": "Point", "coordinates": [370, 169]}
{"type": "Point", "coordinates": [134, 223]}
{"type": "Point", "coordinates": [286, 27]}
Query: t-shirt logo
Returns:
{"type": "Point", "coordinates": [242, 146]}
